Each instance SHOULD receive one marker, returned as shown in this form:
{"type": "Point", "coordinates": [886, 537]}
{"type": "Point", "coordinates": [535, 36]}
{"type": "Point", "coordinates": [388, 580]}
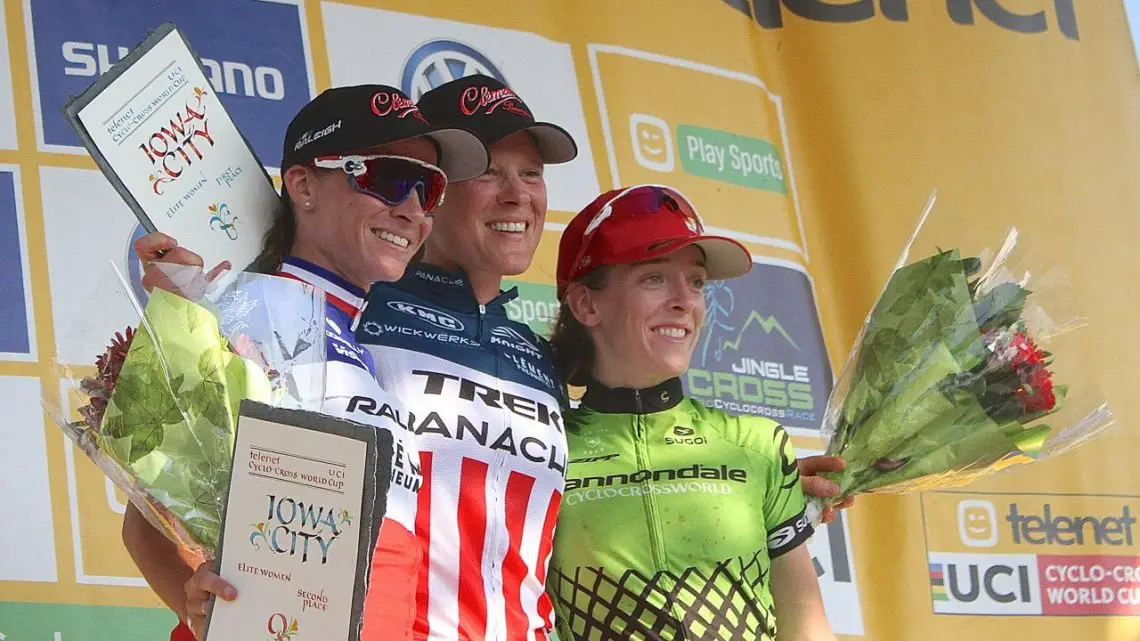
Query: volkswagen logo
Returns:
{"type": "Point", "coordinates": [441, 61]}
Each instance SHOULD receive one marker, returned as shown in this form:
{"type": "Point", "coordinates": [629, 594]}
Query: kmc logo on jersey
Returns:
{"type": "Point", "coordinates": [428, 315]}
{"type": "Point", "coordinates": [441, 61]}
{"type": "Point", "coordinates": [261, 74]}
{"type": "Point", "coordinates": [761, 352]}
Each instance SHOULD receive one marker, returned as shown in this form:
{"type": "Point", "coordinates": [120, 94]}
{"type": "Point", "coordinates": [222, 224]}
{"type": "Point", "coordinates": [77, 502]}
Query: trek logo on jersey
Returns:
{"type": "Point", "coordinates": [442, 320]}
{"type": "Point", "coordinates": [685, 436]}
{"type": "Point", "coordinates": [263, 75]}
{"type": "Point", "coordinates": [441, 61]}
{"type": "Point", "coordinates": [436, 383]}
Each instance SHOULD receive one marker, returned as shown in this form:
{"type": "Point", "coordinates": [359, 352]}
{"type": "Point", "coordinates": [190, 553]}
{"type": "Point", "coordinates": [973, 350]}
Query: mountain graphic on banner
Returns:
{"type": "Point", "coordinates": [768, 323]}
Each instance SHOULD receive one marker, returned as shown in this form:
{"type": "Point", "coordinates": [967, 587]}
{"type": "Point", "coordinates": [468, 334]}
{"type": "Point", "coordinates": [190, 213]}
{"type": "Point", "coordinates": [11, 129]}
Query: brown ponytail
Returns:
{"type": "Point", "coordinates": [571, 342]}
{"type": "Point", "coordinates": [279, 239]}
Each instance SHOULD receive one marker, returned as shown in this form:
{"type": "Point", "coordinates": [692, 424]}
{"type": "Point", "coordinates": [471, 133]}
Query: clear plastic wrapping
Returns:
{"type": "Point", "coordinates": [968, 363]}
{"type": "Point", "coordinates": [157, 409]}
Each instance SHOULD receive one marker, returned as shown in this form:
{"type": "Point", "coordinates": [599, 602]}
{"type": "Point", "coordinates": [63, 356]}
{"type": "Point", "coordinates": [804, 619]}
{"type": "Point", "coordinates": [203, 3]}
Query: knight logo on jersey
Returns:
{"type": "Point", "coordinates": [510, 337]}
{"type": "Point", "coordinates": [440, 61]}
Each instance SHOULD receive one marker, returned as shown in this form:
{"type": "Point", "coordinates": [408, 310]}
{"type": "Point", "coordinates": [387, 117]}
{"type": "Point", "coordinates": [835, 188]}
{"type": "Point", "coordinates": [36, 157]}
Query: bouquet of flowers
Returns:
{"type": "Point", "coordinates": [158, 413]}
{"type": "Point", "coordinates": [949, 379]}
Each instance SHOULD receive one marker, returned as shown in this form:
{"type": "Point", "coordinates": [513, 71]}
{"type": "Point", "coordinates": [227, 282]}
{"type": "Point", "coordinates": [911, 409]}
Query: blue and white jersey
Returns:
{"type": "Point", "coordinates": [485, 402]}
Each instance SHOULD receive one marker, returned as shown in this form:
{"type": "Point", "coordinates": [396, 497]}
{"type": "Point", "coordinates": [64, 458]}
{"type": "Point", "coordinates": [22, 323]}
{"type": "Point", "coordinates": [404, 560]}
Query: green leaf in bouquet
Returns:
{"type": "Point", "coordinates": [1002, 306]}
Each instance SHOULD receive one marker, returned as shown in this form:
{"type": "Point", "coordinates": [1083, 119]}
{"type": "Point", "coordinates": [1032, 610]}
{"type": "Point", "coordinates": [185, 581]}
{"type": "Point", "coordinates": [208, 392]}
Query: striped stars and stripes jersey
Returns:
{"type": "Point", "coordinates": [486, 405]}
{"type": "Point", "coordinates": [340, 380]}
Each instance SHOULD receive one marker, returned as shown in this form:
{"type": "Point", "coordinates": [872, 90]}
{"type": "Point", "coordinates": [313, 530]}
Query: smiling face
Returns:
{"type": "Point", "coordinates": [354, 234]}
{"type": "Point", "coordinates": [490, 226]}
{"type": "Point", "coordinates": [977, 522]}
{"type": "Point", "coordinates": [652, 142]}
{"type": "Point", "coordinates": [645, 320]}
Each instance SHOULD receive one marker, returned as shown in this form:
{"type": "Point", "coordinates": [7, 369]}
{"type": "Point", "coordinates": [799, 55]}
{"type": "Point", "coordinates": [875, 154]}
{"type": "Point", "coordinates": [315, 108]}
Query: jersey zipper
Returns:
{"type": "Point", "coordinates": [495, 527]}
{"type": "Point", "coordinates": [641, 447]}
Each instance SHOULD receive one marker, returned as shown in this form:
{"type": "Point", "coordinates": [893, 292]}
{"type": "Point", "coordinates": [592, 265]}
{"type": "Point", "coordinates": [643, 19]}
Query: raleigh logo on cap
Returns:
{"type": "Point", "coordinates": [475, 98]}
{"type": "Point", "coordinates": [384, 103]}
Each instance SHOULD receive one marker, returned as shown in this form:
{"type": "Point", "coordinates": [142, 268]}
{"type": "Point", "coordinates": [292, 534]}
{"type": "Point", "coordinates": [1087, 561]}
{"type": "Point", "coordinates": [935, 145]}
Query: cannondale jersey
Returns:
{"type": "Point", "coordinates": [485, 403]}
{"type": "Point", "coordinates": [346, 388]}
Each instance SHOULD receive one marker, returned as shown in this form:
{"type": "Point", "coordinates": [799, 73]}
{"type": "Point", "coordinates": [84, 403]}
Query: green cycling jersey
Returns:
{"type": "Point", "coordinates": [671, 516]}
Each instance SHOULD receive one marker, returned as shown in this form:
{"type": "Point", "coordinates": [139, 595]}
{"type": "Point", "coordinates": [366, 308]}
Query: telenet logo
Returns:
{"type": "Point", "coordinates": [1044, 524]}
{"type": "Point", "coordinates": [977, 523]}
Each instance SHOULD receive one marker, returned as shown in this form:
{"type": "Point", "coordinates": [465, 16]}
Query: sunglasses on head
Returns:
{"type": "Point", "coordinates": [392, 179]}
{"type": "Point", "coordinates": [642, 199]}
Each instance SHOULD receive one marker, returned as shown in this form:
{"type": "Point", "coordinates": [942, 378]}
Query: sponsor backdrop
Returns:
{"type": "Point", "coordinates": [813, 131]}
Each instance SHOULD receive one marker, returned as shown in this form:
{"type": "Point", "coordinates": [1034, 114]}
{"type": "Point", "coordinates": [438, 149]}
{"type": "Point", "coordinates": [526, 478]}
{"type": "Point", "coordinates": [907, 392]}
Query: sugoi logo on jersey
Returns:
{"type": "Point", "coordinates": [787, 533]}
{"type": "Point", "coordinates": [685, 436]}
{"type": "Point", "coordinates": [440, 61]}
{"type": "Point", "coordinates": [511, 337]}
{"type": "Point", "coordinates": [262, 75]}
{"type": "Point", "coordinates": [428, 315]}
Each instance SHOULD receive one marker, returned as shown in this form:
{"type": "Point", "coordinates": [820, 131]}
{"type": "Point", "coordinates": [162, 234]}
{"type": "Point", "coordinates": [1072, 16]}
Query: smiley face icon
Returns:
{"type": "Point", "coordinates": [977, 523]}
{"type": "Point", "coordinates": [652, 144]}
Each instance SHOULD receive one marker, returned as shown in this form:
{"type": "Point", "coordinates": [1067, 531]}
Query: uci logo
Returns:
{"type": "Point", "coordinates": [428, 315]}
{"type": "Point", "coordinates": [441, 61]}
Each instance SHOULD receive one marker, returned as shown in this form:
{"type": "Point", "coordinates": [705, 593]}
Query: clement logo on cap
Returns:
{"type": "Point", "coordinates": [475, 98]}
{"type": "Point", "coordinates": [385, 102]}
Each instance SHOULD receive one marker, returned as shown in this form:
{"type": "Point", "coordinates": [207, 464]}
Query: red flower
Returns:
{"type": "Point", "coordinates": [99, 387]}
{"type": "Point", "coordinates": [1036, 393]}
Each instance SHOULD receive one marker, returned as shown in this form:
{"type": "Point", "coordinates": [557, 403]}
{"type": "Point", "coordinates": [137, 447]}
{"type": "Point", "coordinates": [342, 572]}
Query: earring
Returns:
{"type": "Point", "coordinates": [308, 205]}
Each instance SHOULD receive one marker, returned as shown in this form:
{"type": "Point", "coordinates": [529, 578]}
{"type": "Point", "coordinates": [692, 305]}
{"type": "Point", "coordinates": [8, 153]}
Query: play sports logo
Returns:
{"type": "Point", "coordinates": [707, 153]}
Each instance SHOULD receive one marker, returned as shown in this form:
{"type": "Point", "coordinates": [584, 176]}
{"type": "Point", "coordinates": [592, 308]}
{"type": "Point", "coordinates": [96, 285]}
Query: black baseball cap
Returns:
{"type": "Point", "coordinates": [344, 120]}
{"type": "Point", "coordinates": [493, 111]}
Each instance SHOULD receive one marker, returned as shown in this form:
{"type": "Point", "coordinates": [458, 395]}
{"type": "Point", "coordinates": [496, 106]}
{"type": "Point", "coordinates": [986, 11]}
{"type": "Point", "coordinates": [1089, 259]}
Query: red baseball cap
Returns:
{"type": "Point", "coordinates": [639, 223]}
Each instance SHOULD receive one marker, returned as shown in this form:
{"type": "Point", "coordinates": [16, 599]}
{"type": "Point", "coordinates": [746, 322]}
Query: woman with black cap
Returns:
{"type": "Point", "coordinates": [363, 172]}
{"type": "Point", "coordinates": [483, 388]}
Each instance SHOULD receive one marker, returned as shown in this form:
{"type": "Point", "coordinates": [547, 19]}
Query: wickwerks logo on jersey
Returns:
{"type": "Point", "coordinates": [442, 320]}
{"type": "Point", "coordinates": [262, 75]}
{"type": "Point", "coordinates": [1017, 554]}
{"type": "Point", "coordinates": [761, 351]}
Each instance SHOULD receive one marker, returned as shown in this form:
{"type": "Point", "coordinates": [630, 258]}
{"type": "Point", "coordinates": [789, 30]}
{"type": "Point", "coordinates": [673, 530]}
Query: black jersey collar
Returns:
{"type": "Point", "coordinates": [625, 400]}
{"type": "Point", "coordinates": [451, 289]}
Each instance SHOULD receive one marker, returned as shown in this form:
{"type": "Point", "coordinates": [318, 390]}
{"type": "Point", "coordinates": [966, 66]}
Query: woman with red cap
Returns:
{"type": "Point", "coordinates": [679, 521]}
